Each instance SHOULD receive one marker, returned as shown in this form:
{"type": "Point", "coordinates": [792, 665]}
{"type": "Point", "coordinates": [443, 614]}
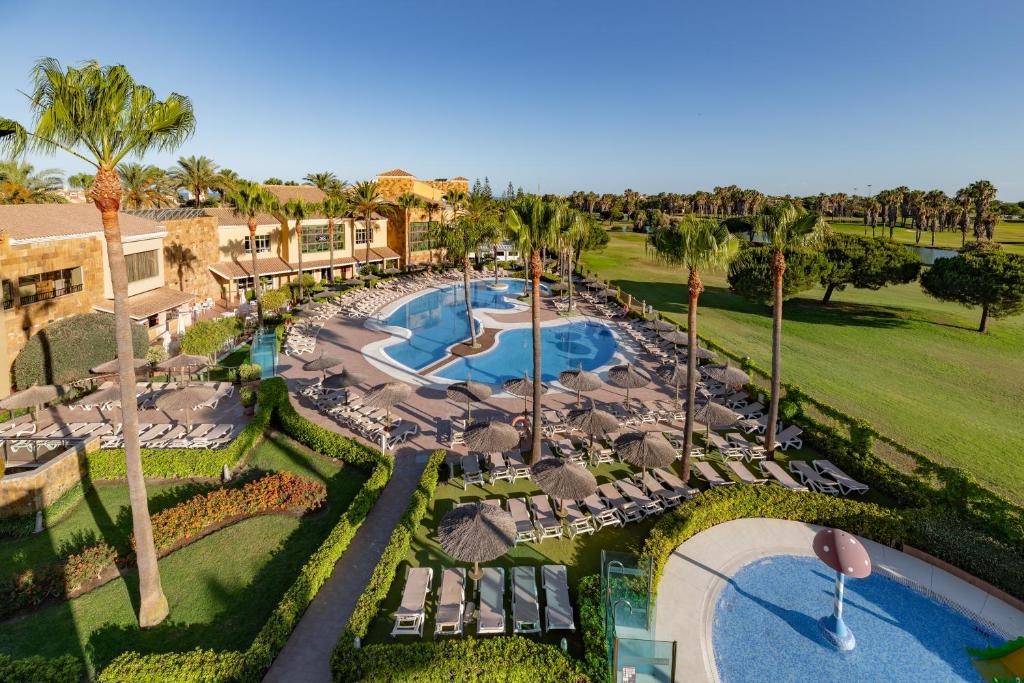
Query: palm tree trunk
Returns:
{"type": "Point", "coordinates": [330, 258]}
{"type": "Point", "coordinates": [407, 235]}
{"type": "Point", "coordinates": [255, 273]}
{"type": "Point", "coordinates": [298, 239]}
{"type": "Point", "coordinates": [153, 607]}
{"type": "Point", "coordinates": [569, 264]}
{"type": "Point", "coordinates": [469, 301]}
{"type": "Point", "coordinates": [695, 288]}
{"type": "Point", "coordinates": [494, 249]}
{"type": "Point", "coordinates": [197, 197]}
{"type": "Point", "coordinates": [369, 237]}
{"type": "Point", "coordinates": [535, 270]}
{"type": "Point", "coordinates": [778, 270]}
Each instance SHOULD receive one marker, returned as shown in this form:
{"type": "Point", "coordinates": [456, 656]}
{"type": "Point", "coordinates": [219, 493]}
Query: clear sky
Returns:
{"type": "Point", "coordinates": [796, 97]}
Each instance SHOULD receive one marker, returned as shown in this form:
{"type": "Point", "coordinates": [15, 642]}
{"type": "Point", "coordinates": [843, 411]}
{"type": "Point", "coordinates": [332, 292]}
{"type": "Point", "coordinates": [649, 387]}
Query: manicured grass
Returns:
{"type": "Point", "coordinates": [232, 360]}
{"type": "Point", "coordinates": [1010, 235]}
{"type": "Point", "coordinates": [221, 588]}
{"type": "Point", "coordinates": [913, 366]}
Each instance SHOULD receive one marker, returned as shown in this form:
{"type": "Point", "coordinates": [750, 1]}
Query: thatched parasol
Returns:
{"type": "Point", "coordinates": [353, 281]}
{"type": "Point", "coordinates": [36, 395]}
{"type": "Point", "coordinates": [111, 366]}
{"type": "Point", "coordinates": [558, 287]}
{"type": "Point", "coordinates": [715, 416]}
{"type": "Point", "coordinates": [386, 396]}
{"type": "Point", "coordinates": [111, 395]}
{"type": "Point", "coordinates": [184, 362]}
{"type": "Point", "coordinates": [659, 325]}
{"type": "Point", "coordinates": [645, 450]}
{"type": "Point", "coordinates": [703, 354]}
{"type": "Point", "coordinates": [323, 363]}
{"type": "Point", "coordinates": [391, 271]}
{"type": "Point", "coordinates": [476, 532]}
{"type": "Point", "coordinates": [628, 377]}
{"type": "Point", "coordinates": [491, 436]}
{"type": "Point", "coordinates": [727, 374]}
{"type": "Point", "coordinates": [677, 337]}
{"type": "Point", "coordinates": [523, 388]}
{"type": "Point", "coordinates": [186, 399]}
{"type": "Point", "coordinates": [471, 392]}
{"type": "Point", "coordinates": [674, 375]}
{"type": "Point", "coordinates": [563, 480]}
{"type": "Point", "coordinates": [343, 379]}
{"type": "Point", "coordinates": [580, 380]}
{"type": "Point", "coordinates": [593, 422]}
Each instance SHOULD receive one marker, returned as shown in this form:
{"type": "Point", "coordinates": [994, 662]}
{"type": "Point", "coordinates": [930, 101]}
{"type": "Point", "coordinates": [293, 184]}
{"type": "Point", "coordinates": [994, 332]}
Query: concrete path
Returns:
{"type": "Point", "coordinates": [699, 569]}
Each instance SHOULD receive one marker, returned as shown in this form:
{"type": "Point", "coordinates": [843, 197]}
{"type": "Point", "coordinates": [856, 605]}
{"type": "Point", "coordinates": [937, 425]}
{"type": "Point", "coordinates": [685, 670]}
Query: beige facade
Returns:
{"type": "Point", "coordinates": [190, 246]}
{"type": "Point", "coordinates": [407, 236]}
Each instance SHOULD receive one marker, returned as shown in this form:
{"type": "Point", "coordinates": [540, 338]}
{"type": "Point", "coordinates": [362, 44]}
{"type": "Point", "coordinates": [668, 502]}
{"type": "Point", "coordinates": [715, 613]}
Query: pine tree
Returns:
{"type": "Point", "coordinates": [487, 187]}
{"type": "Point", "coordinates": [477, 187]}
{"type": "Point", "coordinates": [510, 191]}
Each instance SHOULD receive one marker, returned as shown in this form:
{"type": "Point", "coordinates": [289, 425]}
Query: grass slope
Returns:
{"type": "Point", "coordinates": [911, 365]}
{"type": "Point", "coordinates": [220, 589]}
{"type": "Point", "coordinates": [1010, 235]}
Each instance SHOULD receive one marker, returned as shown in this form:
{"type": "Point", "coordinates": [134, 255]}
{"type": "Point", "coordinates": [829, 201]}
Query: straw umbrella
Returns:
{"type": "Point", "coordinates": [580, 380]}
{"type": "Point", "coordinates": [645, 450]}
{"type": "Point", "coordinates": [184, 362]}
{"type": "Point", "coordinates": [185, 398]}
{"type": "Point", "coordinates": [343, 379]}
{"type": "Point", "coordinates": [110, 367]}
{"type": "Point", "coordinates": [627, 377]}
{"type": "Point", "coordinates": [471, 392]}
{"type": "Point", "coordinates": [659, 325]}
{"type": "Point", "coordinates": [323, 363]}
{"type": "Point", "coordinates": [33, 397]}
{"type": "Point", "coordinates": [491, 436]}
{"type": "Point", "coordinates": [476, 532]}
{"type": "Point", "coordinates": [703, 354]}
{"type": "Point", "coordinates": [674, 375]}
{"type": "Point", "coordinates": [715, 416]}
{"type": "Point", "coordinates": [107, 395]}
{"type": "Point", "coordinates": [523, 388]}
{"type": "Point", "coordinates": [675, 337]}
{"type": "Point", "coordinates": [386, 396]}
{"type": "Point", "coordinates": [727, 374]}
{"type": "Point", "coordinates": [563, 480]}
{"type": "Point", "coordinates": [593, 422]}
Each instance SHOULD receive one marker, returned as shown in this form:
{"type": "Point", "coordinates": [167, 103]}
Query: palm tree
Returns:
{"type": "Point", "coordinates": [783, 225]}
{"type": "Point", "coordinates": [298, 211]}
{"type": "Point", "coordinates": [935, 203]}
{"type": "Point", "coordinates": [225, 182]}
{"type": "Point", "coordinates": [534, 224]}
{"type": "Point", "coordinates": [432, 206]}
{"type": "Point", "coordinates": [325, 181]}
{"type": "Point", "coordinates": [407, 201]}
{"type": "Point", "coordinates": [20, 183]}
{"type": "Point", "coordinates": [249, 200]}
{"type": "Point", "coordinates": [334, 207]}
{"type": "Point", "coordinates": [81, 181]}
{"type": "Point", "coordinates": [982, 192]}
{"type": "Point", "coordinates": [100, 115]}
{"type": "Point", "coordinates": [183, 259]}
{"type": "Point", "coordinates": [963, 201]}
{"type": "Point", "coordinates": [195, 174]}
{"type": "Point", "coordinates": [144, 186]}
{"type": "Point", "coordinates": [367, 200]}
{"type": "Point", "coordinates": [698, 244]}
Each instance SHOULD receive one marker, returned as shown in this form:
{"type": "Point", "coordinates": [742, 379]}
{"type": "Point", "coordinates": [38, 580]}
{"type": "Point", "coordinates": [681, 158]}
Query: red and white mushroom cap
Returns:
{"type": "Point", "coordinates": [843, 553]}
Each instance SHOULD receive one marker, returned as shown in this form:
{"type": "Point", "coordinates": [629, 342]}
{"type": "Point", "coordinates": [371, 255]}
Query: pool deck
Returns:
{"type": "Point", "coordinates": [699, 568]}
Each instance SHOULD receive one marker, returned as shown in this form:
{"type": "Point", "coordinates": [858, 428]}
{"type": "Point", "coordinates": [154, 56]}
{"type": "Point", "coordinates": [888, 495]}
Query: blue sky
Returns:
{"type": "Point", "coordinates": [796, 97]}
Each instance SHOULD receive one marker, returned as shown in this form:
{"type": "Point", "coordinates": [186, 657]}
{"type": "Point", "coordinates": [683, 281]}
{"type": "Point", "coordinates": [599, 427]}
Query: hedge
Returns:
{"type": "Point", "coordinates": [592, 629]}
{"type": "Point", "coordinates": [252, 663]}
{"type": "Point", "coordinates": [207, 337]}
{"type": "Point", "coordinates": [25, 525]}
{"type": "Point", "coordinates": [66, 669]}
{"type": "Point", "coordinates": [64, 351]}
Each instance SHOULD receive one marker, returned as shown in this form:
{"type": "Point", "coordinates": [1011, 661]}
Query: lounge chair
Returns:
{"type": "Point", "coordinates": [601, 514]}
{"type": "Point", "coordinates": [558, 614]}
{"type": "Point", "coordinates": [575, 521]}
{"type": "Point", "coordinates": [787, 438]}
{"type": "Point", "coordinates": [751, 410]}
{"type": "Point", "coordinates": [521, 516]}
{"type": "Point", "coordinates": [491, 618]}
{"type": "Point", "coordinates": [669, 479]}
{"type": "Point", "coordinates": [751, 424]}
{"type": "Point", "coordinates": [846, 483]}
{"type": "Point", "coordinates": [568, 450]}
{"type": "Point", "coordinates": [627, 510]}
{"type": "Point", "coordinates": [705, 471]}
{"type": "Point", "coordinates": [525, 607]}
{"type": "Point", "coordinates": [499, 470]}
{"type": "Point", "coordinates": [544, 518]}
{"type": "Point", "coordinates": [451, 603]}
{"type": "Point", "coordinates": [725, 448]}
{"type": "Point", "coordinates": [745, 475]}
{"type": "Point", "coordinates": [668, 497]}
{"type": "Point", "coordinates": [772, 469]}
{"type": "Point", "coordinates": [751, 451]}
{"type": "Point", "coordinates": [410, 615]}
{"type": "Point", "coordinates": [520, 470]}
{"type": "Point", "coordinates": [633, 492]}
{"type": "Point", "coordinates": [812, 477]}
{"type": "Point", "coordinates": [471, 473]}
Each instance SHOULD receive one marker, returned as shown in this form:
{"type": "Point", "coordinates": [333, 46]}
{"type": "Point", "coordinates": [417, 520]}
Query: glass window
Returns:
{"type": "Point", "coordinates": [8, 295]}
{"type": "Point", "coordinates": [361, 235]}
{"type": "Point", "coordinates": [142, 265]}
{"type": "Point", "coordinates": [419, 235]}
{"type": "Point", "coordinates": [262, 244]}
{"type": "Point", "coordinates": [50, 285]}
{"type": "Point", "coordinates": [317, 238]}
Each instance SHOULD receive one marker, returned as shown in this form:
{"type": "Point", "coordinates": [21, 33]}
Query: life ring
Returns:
{"type": "Point", "coordinates": [522, 420]}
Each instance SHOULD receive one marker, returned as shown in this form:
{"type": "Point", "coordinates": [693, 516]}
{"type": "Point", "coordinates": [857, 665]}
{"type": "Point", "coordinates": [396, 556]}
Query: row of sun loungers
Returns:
{"type": "Point", "coordinates": [165, 435]}
{"type": "Point", "coordinates": [364, 420]}
{"type": "Point", "coordinates": [819, 475]}
{"type": "Point", "coordinates": [450, 615]}
{"type": "Point", "coordinates": [301, 337]}
{"type": "Point", "coordinates": [363, 302]}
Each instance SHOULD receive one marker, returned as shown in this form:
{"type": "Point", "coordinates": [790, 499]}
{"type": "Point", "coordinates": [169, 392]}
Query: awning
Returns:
{"type": "Point", "coordinates": [339, 261]}
{"type": "Point", "coordinates": [147, 304]}
{"type": "Point", "coordinates": [242, 268]}
{"type": "Point", "coordinates": [380, 254]}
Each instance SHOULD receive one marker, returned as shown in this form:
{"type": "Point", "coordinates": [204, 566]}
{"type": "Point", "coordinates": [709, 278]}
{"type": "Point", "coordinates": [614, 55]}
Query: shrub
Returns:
{"type": "Point", "coordinates": [207, 337]}
{"type": "Point", "coordinates": [274, 299]}
{"type": "Point", "coordinates": [64, 351]}
{"type": "Point", "coordinates": [34, 586]}
{"type": "Point", "coordinates": [65, 669]}
{"type": "Point", "coordinates": [249, 372]}
{"type": "Point", "coordinates": [156, 355]}
{"type": "Point", "coordinates": [247, 396]}
{"type": "Point", "coordinates": [592, 621]}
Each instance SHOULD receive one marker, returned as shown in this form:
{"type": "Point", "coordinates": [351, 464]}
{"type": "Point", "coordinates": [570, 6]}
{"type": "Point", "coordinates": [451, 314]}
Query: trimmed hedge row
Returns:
{"type": "Point", "coordinates": [592, 628]}
{"type": "Point", "coordinates": [251, 664]}
{"type": "Point", "coordinates": [66, 669]}
{"type": "Point", "coordinates": [25, 525]}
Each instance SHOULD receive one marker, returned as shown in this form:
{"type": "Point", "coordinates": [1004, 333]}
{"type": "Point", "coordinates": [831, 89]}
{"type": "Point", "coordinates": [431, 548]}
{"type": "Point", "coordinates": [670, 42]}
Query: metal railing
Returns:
{"type": "Point", "coordinates": [46, 296]}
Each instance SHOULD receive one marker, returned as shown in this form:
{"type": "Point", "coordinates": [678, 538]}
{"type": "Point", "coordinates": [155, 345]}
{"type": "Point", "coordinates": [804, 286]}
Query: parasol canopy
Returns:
{"type": "Point", "coordinates": [558, 287]}
{"type": "Point", "coordinates": [677, 337]}
{"type": "Point", "coordinates": [111, 366]}
{"type": "Point", "coordinates": [391, 271]}
{"type": "Point", "coordinates": [322, 362]}
{"type": "Point", "coordinates": [715, 415]}
{"type": "Point", "coordinates": [580, 380]}
{"type": "Point", "coordinates": [704, 354]}
{"type": "Point", "coordinates": [727, 374]}
{"type": "Point", "coordinates": [476, 532]}
{"type": "Point", "coordinates": [491, 436]}
{"type": "Point", "coordinates": [184, 361]}
{"type": "Point", "coordinates": [107, 395]}
{"type": "Point", "coordinates": [660, 325]}
{"type": "Point", "coordinates": [187, 398]}
{"type": "Point", "coordinates": [563, 479]}
{"type": "Point", "coordinates": [35, 395]}
{"type": "Point", "coordinates": [523, 388]}
{"type": "Point", "coordinates": [628, 377]}
{"type": "Point", "coordinates": [470, 392]}
{"type": "Point", "coordinates": [387, 396]}
{"type": "Point", "coordinates": [645, 449]}
{"type": "Point", "coordinates": [343, 379]}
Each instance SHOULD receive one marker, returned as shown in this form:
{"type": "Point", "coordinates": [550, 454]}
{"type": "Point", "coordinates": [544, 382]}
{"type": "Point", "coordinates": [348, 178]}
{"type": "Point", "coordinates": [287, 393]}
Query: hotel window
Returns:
{"type": "Point", "coordinates": [419, 235]}
{"type": "Point", "coordinates": [361, 235]}
{"type": "Point", "coordinates": [8, 295]}
{"type": "Point", "coordinates": [50, 285]}
{"type": "Point", "coordinates": [142, 265]}
{"type": "Point", "coordinates": [262, 244]}
{"type": "Point", "coordinates": [317, 238]}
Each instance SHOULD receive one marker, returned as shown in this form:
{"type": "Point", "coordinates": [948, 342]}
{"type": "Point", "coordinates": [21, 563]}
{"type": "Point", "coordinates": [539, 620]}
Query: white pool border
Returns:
{"type": "Point", "coordinates": [697, 571]}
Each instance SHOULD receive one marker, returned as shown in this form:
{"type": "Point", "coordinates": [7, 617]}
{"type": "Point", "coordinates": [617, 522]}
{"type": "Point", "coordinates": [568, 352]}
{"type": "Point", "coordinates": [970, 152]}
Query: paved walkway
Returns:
{"type": "Point", "coordinates": [699, 569]}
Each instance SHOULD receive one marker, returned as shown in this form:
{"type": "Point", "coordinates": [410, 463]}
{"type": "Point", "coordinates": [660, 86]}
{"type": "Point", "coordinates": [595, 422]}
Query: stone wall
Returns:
{"type": "Point", "coordinates": [197, 237]}
{"type": "Point", "coordinates": [22, 493]}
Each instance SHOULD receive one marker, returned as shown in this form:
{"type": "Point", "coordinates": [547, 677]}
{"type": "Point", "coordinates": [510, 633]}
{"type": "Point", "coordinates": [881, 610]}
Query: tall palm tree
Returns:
{"type": "Point", "coordinates": [935, 203]}
{"type": "Point", "coordinates": [145, 186]}
{"type": "Point", "coordinates": [534, 224]}
{"type": "Point", "coordinates": [225, 182]}
{"type": "Point", "coordinates": [195, 174]}
{"type": "Point", "coordinates": [298, 211]}
{"type": "Point", "coordinates": [963, 200]}
{"type": "Point", "coordinates": [697, 244]}
{"type": "Point", "coordinates": [249, 200]}
{"type": "Point", "coordinates": [783, 225]}
{"type": "Point", "coordinates": [20, 183]}
{"type": "Point", "coordinates": [406, 202]}
{"type": "Point", "coordinates": [367, 200]}
{"type": "Point", "coordinates": [432, 206]}
{"type": "Point", "coordinates": [100, 115]}
{"type": "Point", "coordinates": [334, 207]}
{"type": "Point", "coordinates": [183, 259]}
{"type": "Point", "coordinates": [982, 192]}
{"type": "Point", "coordinates": [81, 181]}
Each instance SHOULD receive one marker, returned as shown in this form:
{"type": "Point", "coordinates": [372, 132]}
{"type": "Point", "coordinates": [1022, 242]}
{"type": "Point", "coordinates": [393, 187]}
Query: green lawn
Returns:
{"type": "Point", "coordinates": [1010, 235]}
{"type": "Point", "coordinates": [911, 365]}
{"type": "Point", "coordinates": [221, 588]}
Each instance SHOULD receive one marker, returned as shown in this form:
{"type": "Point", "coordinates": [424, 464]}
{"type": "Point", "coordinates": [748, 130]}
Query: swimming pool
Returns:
{"type": "Point", "coordinates": [766, 628]}
{"type": "Point", "coordinates": [263, 352]}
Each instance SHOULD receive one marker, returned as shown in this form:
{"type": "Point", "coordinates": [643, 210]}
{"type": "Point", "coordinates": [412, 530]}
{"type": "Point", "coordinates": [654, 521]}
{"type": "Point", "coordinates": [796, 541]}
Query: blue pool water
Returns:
{"type": "Point", "coordinates": [562, 347]}
{"type": "Point", "coordinates": [438, 319]}
{"type": "Point", "coordinates": [263, 352]}
{"type": "Point", "coordinates": [766, 628]}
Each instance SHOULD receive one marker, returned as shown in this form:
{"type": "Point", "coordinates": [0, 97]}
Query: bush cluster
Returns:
{"type": "Point", "coordinates": [65, 669]}
{"type": "Point", "coordinates": [32, 587]}
{"type": "Point", "coordinates": [249, 372]}
{"type": "Point", "coordinates": [207, 337]}
{"type": "Point", "coordinates": [592, 621]}
{"type": "Point", "coordinates": [64, 351]}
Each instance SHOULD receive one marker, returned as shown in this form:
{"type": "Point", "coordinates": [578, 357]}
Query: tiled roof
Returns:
{"type": "Point", "coordinates": [314, 264]}
{"type": "Point", "coordinates": [395, 173]}
{"type": "Point", "coordinates": [458, 177]}
{"type": "Point", "coordinates": [242, 267]}
{"type": "Point", "coordinates": [229, 217]}
{"type": "Point", "coordinates": [158, 300]}
{"type": "Point", "coordinates": [55, 221]}
{"type": "Point", "coordinates": [306, 193]}
{"type": "Point", "coordinates": [384, 252]}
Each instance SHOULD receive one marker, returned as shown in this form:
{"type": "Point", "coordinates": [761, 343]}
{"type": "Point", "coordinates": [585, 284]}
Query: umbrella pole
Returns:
{"type": "Point", "coordinates": [476, 574]}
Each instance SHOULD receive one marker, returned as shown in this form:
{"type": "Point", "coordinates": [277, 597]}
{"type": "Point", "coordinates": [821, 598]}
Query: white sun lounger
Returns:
{"type": "Point", "coordinates": [772, 469]}
{"type": "Point", "coordinates": [410, 615]}
{"type": "Point", "coordinates": [491, 618]}
{"type": "Point", "coordinates": [705, 471]}
{"type": "Point", "coordinates": [668, 497]}
{"type": "Point", "coordinates": [471, 473]}
{"type": "Point", "coordinates": [787, 438]}
{"type": "Point", "coordinates": [451, 602]}
{"type": "Point", "coordinates": [520, 470]}
{"type": "Point", "coordinates": [846, 483]}
{"type": "Point", "coordinates": [521, 516]}
{"type": "Point", "coordinates": [558, 614]}
{"type": "Point", "coordinates": [575, 521]}
{"type": "Point", "coordinates": [745, 475]}
{"type": "Point", "coordinates": [674, 483]}
{"type": "Point", "coordinates": [645, 502]}
{"type": "Point", "coordinates": [811, 477]}
{"type": "Point", "coordinates": [544, 518]}
{"type": "Point", "coordinates": [751, 451]}
{"type": "Point", "coordinates": [499, 470]}
{"type": "Point", "coordinates": [525, 607]}
{"type": "Point", "coordinates": [627, 510]}
{"type": "Point", "coordinates": [601, 514]}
